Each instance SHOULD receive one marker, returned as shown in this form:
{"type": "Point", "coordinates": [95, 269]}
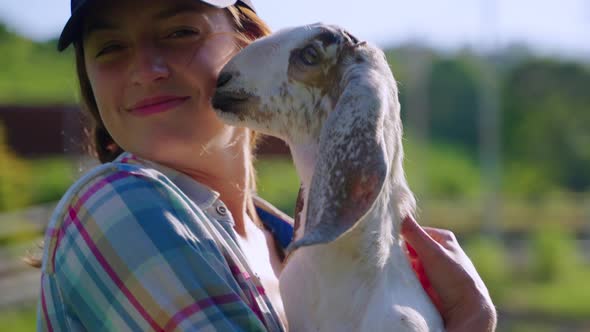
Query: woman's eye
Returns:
{"type": "Point", "coordinates": [309, 56]}
{"type": "Point", "coordinates": [180, 33]}
{"type": "Point", "coordinates": [109, 49]}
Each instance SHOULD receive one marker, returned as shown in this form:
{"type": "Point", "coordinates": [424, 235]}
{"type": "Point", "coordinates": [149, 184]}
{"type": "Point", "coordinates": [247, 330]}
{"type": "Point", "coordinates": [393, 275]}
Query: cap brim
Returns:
{"type": "Point", "coordinates": [68, 34]}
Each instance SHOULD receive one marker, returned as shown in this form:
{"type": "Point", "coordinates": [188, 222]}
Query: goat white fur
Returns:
{"type": "Point", "coordinates": [334, 101]}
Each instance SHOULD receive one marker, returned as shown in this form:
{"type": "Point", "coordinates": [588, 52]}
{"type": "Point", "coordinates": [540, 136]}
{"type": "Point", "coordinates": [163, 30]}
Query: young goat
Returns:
{"type": "Point", "coordinates": [334, 101]}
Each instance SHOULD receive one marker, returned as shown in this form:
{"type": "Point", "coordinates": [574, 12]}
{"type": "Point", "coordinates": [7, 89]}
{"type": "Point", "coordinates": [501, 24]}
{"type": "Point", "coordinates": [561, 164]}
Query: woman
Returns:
{"type": "Point", "coordinates": [167, 234]}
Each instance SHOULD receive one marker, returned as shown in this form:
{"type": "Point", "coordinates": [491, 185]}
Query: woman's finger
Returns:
{"type": "Point", "coordinates": [438, 264]}
{"type": "Point", "coordinates": [441, 236]}
{"type": "Point", "coordinates": [421, 242]}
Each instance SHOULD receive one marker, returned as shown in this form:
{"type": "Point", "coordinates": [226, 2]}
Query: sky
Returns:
{"type": "Point", "coordinates": [559, 27]}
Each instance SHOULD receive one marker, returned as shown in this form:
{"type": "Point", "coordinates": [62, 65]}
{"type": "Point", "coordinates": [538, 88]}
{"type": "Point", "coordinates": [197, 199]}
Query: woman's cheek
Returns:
{"type": "Point", "coordinates": [210, 58]}
{"type": "Point", "coordinates": [219, 50]}
{"type": "Point", "coordinates": [108, 90]}
{"type": "Point", "coordinates": [108, 83]}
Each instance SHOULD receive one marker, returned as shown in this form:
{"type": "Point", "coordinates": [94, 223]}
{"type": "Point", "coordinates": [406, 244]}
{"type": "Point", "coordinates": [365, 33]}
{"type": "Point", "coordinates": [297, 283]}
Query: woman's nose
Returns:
{"type": "Point", "coordinates": [149, 66]}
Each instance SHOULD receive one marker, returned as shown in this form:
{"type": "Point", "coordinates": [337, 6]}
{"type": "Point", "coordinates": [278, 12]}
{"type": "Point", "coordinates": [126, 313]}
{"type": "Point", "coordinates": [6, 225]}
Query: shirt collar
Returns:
{"type": "Point", "coordinates": [280, 224]}
{"type": "Point", "coordinates": [199, 193]}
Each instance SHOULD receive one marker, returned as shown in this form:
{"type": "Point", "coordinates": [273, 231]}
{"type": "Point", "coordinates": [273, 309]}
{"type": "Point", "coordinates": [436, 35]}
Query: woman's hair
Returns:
{"type": "Point", "coordinates": [101, 145]}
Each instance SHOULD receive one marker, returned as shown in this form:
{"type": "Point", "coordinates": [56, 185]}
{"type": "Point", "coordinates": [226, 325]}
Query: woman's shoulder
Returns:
{"type": "Point", "coordinates": [110, 201]}
{"type": "Point", "coordinates": [112, 186]}
{"type": "Point", "coordinates": [107, 177]}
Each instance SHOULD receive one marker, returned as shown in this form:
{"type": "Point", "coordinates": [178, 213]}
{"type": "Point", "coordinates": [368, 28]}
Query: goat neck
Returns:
{"type": "Point", "coordinates": [355, 192]}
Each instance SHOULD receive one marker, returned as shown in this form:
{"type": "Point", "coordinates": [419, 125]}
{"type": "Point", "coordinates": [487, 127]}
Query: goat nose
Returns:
{"type": "Point", "coordinates": [223, 79]}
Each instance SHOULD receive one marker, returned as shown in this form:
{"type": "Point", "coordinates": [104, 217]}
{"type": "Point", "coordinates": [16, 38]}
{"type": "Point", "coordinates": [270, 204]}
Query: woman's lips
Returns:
{"type": "Point", "coordinates": [157, 105]}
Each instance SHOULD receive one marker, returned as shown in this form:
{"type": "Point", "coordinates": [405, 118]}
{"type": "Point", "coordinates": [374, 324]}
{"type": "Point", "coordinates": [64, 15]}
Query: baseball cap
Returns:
{"type": "Point", "coordinates": [72, 27]}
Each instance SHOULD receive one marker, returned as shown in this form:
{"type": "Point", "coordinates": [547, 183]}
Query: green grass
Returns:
{"type": "Point", "coordinates": [552, 283]}
{"type": "Point", "coordinates": [530, 327]}
{"type": "Point", "coordinates": [565, 298]}
{"type": "Point", "coordinates": [19, 319]}
{"type": "Point", "coordinates": [441, 171]}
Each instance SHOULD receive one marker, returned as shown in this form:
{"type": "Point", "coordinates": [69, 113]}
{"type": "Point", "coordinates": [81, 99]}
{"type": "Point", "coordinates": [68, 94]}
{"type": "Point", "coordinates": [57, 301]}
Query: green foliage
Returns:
{"type": "Point", "coordinates": [440, 171]}
{"type": "Point", "coordinates": [554, 254]}
{"type": "Point", "coordinates": [546, 119]}
{"type": "Point", "coordinates": [552, 284]}
{"type": "Point", "coordinates": [453, 95]}
{"type": "Point", "coordinates": [523, 180]}
{"type": "Point", "coordinates": [566, 298]}
{"type": "Point", "coordinates": [35, 73]}
{"type": "Point", "coordinates": [15, 174]}
{"type": "Point", "coordinates": [544, 111]}
{"type": "Point", "coordinates": [51, 178]}
{"type": "Point", "coordinates": [490, 259]}
{"type": "Point", "coordinates": [278, 182]}
{"type": "Point", "coordinates": [31, 182]}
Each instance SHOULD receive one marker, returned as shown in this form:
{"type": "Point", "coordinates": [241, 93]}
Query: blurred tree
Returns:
{"type": "Point", "coordinates": [453, 94]}
{"type": "Point", "coordinates": [4, 32]}
{"type": "Point", "coordinates": [34, 72]}
{"type": "Point", "coordinates": [546, 120]}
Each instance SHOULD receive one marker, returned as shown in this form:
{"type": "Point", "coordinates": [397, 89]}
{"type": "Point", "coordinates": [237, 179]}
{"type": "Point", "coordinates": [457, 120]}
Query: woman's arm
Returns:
{"type": "Point", "coordinates": [127, 259]}
{"type": "Point", "coordinates": [449, 278]}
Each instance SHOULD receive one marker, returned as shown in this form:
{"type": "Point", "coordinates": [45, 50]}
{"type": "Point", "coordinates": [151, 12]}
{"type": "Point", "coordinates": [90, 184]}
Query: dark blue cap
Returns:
{"type": "Point", "coordinates": [72, 28]}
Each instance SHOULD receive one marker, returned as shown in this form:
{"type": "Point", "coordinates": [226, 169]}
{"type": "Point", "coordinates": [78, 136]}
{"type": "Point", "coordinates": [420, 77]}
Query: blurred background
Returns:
{"type": "Point", "coordinates": [496, 106]}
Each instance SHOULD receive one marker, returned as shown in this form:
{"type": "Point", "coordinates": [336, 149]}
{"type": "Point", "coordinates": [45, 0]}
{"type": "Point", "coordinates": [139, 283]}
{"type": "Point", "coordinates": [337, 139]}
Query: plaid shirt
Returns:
{"type": "Point", "coordinates": [135, 246]}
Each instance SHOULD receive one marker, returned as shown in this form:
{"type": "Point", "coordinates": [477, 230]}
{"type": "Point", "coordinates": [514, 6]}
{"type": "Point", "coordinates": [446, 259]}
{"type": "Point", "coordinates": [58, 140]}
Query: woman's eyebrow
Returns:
{"type": "Point", "coordinates": [97, 25]}
{"type": "Point", "coordinates": [176, 10]}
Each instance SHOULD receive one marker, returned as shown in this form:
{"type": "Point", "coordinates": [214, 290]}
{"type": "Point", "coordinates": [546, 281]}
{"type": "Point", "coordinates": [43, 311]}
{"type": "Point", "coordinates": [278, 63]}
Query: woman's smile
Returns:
{"type": "Point", "coordinates": [157, 104]}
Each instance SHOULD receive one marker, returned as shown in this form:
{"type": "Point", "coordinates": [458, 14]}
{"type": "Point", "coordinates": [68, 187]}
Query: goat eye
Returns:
{"type": "Point", "coordinates": [309, 56]}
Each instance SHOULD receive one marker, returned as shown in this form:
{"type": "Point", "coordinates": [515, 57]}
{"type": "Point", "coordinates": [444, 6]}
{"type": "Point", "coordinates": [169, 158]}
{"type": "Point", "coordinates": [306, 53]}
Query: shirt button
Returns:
{"type": "Point", "coordinates": [221, 210]}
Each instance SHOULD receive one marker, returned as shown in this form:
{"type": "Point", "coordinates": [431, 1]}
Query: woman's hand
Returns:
{"type": "Point", "coordinates": [449, 278]}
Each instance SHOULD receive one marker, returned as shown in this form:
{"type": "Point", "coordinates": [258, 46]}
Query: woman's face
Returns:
{"type": "Point", "coordinates": [153, 66]}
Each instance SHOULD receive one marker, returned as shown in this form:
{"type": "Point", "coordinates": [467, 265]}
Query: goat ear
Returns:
{"type": "Point", "coordinates": [351, 168]}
